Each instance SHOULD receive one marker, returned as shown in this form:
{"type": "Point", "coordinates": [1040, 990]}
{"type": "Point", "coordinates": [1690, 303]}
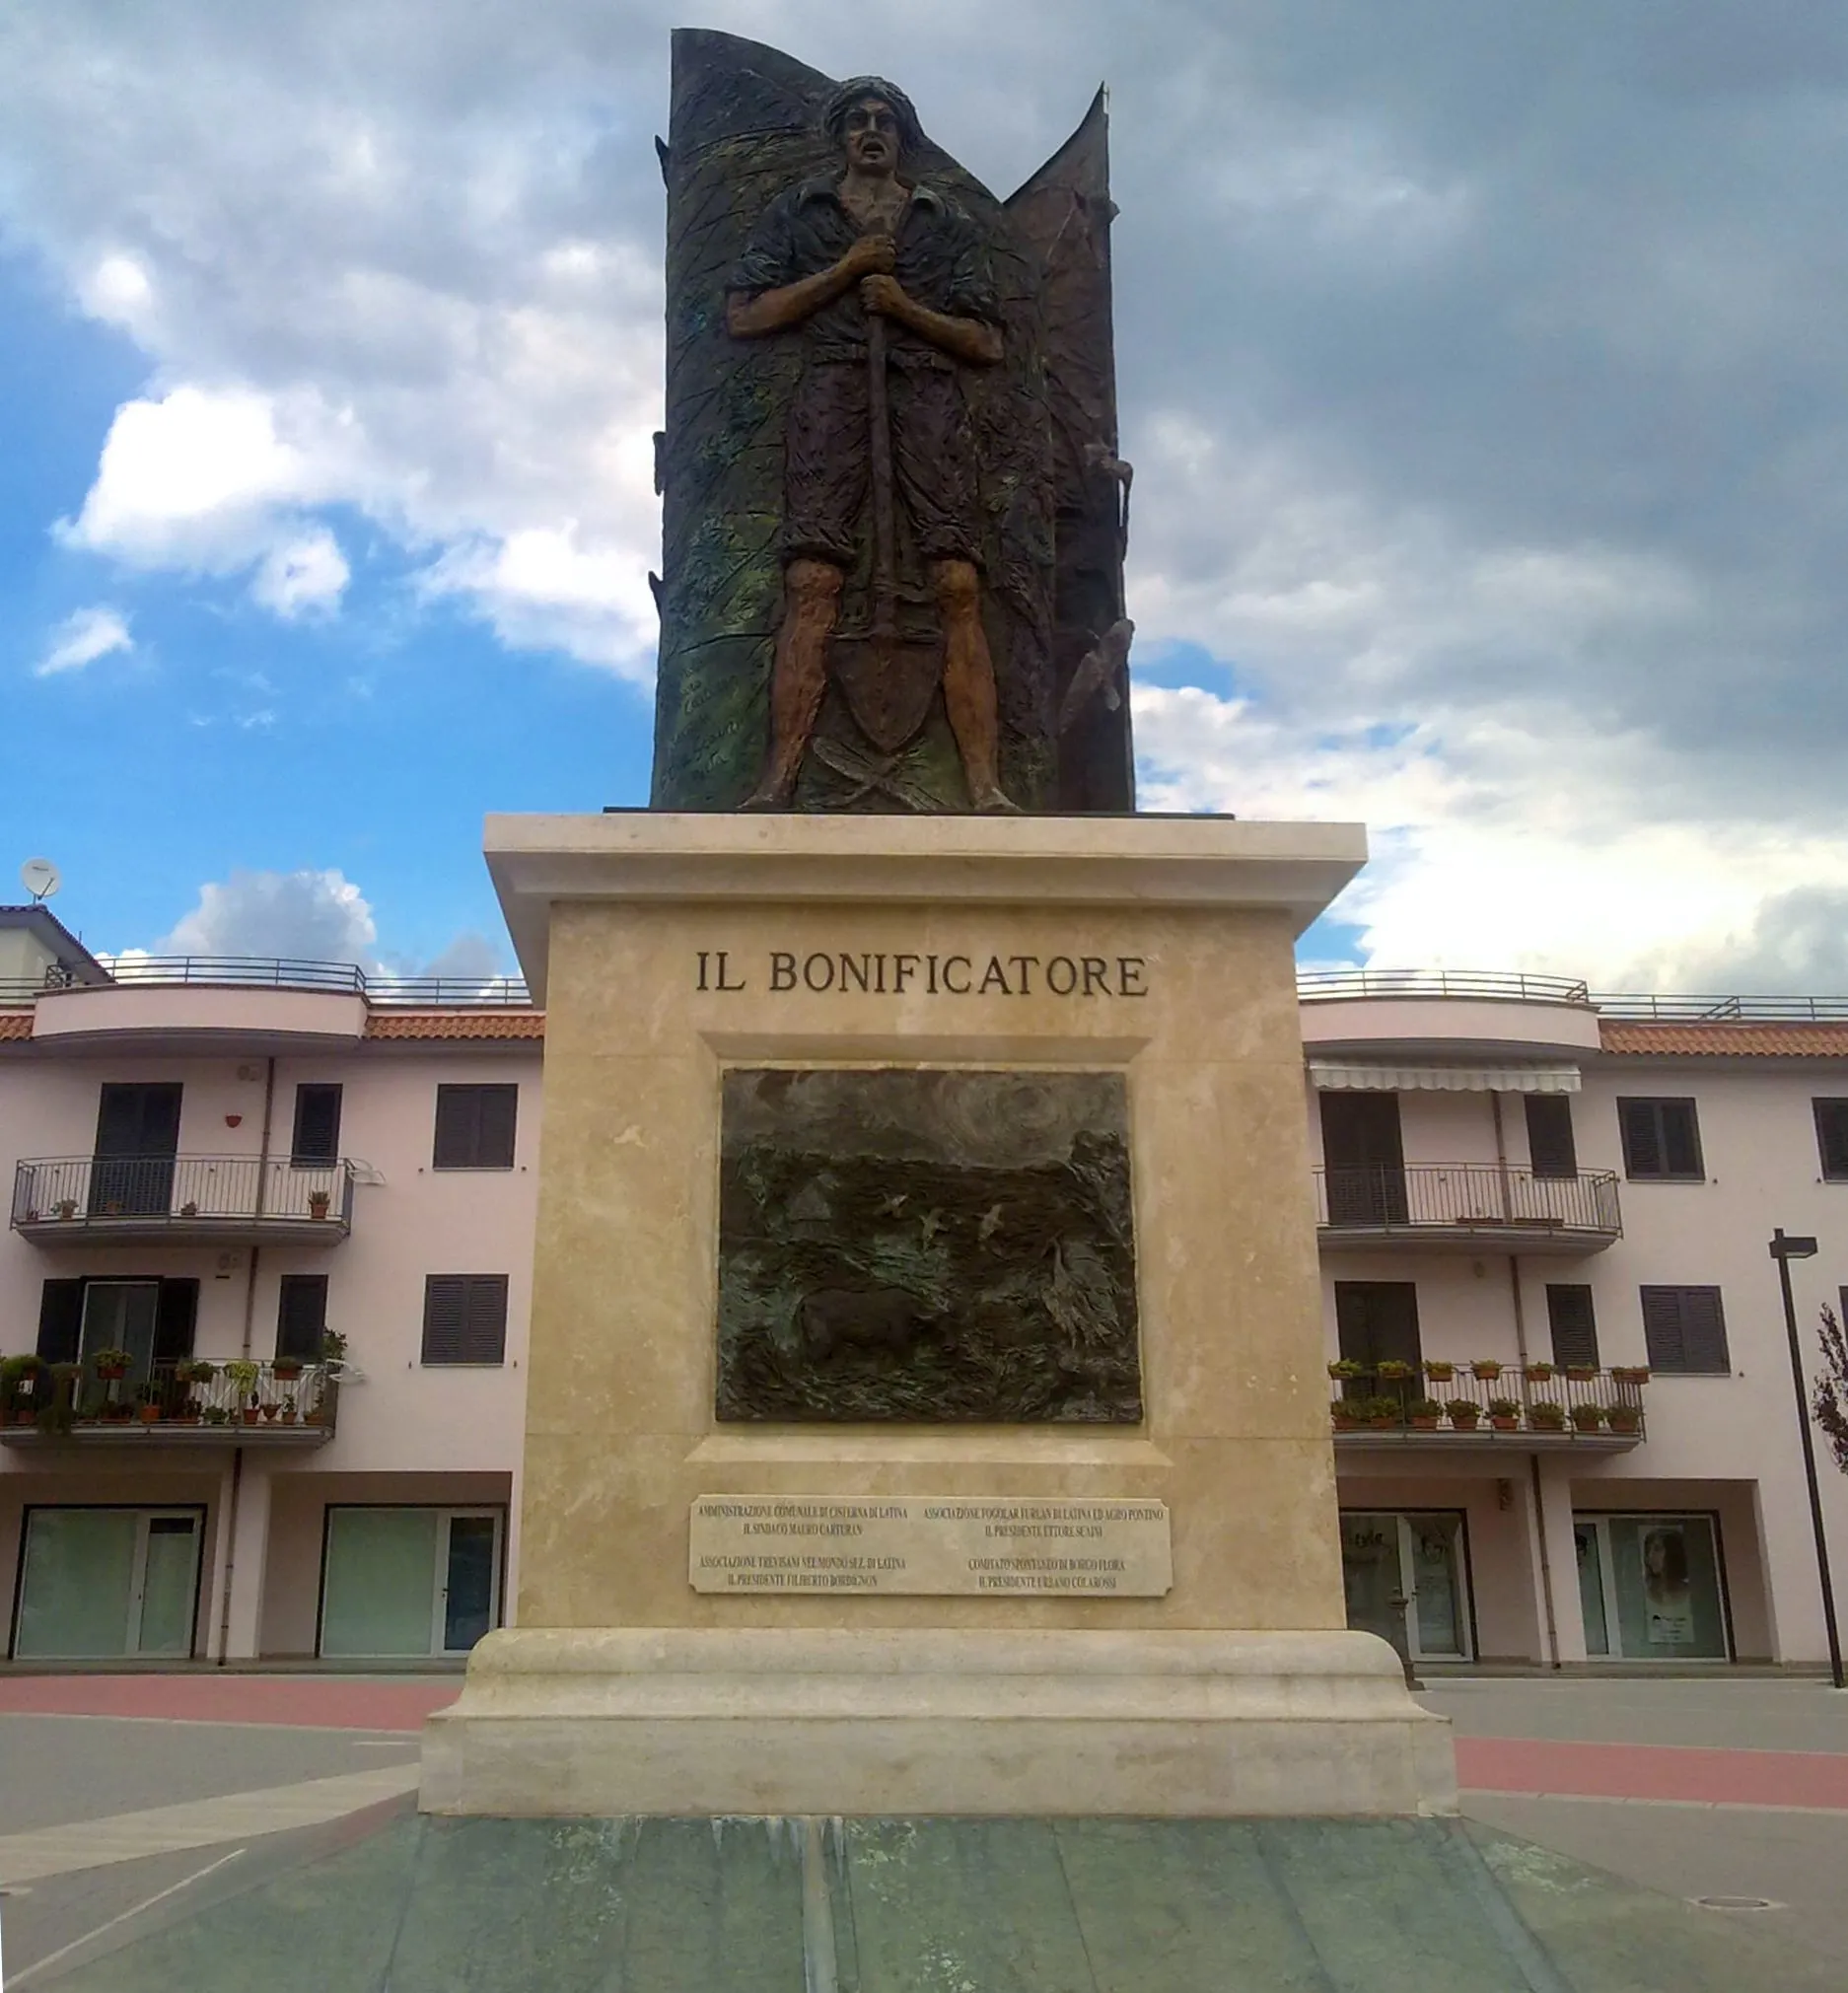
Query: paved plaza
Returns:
{"type": "Point", "coordinates": [132, 1807]}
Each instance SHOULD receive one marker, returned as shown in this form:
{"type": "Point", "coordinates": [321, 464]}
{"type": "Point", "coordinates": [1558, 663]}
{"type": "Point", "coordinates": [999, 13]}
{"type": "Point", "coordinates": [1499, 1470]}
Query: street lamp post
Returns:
{"type": "Point", "coordinates": [1784, 1250]}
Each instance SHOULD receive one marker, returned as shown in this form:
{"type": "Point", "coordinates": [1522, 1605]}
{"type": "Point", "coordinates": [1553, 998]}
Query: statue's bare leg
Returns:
{"type": "Point", "coordinates": [810, 604]}
{"type": "Point", "coordinates": [970, 681]}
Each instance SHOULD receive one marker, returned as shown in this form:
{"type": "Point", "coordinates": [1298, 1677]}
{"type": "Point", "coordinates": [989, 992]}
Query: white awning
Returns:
{"type": "Point", "coordinates": [1335, 1076]}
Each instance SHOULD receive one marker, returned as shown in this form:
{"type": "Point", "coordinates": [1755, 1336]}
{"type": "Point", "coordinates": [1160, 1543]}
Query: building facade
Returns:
{"type": "Point", "coordinates": [264, 1295]}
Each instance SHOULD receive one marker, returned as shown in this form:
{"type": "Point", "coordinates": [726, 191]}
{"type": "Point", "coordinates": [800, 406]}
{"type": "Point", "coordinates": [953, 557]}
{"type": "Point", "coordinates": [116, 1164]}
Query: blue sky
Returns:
{"type": "Point", "coordinates": [228, 740]}
{"type": "Point", "coordinates": [1485, 371]}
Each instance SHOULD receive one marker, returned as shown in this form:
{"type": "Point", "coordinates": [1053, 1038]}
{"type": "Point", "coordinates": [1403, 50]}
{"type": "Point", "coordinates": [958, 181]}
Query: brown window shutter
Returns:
{"type": "Point", "coordinates": [1662, 1329]}
{"type": "Point", "coordinates": [1574, 1324]}
{"type": "Point", "coordinates": [1832, 1138]}
{"type": "Point", "coordinates": [1550, 1148]}
{"type": "Point", "coordinates": [60, 1320]}
{"type": "Point", "coordinates": [1641, 1144]}
{"type": "Point", "coordinates": [302, 1317]}
{"type": "Point", "coordinates": [464, 1317]}
{"type": "Point", "coordinates": [317, 1125]}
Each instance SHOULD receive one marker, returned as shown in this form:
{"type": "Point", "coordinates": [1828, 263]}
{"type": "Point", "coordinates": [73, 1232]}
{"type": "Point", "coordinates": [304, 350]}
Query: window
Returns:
{"type": "Point", "coordinates": [1660, 1141]}
{"type": "Point", "coordinates": [1685, 1331]}
{"type": "Point", "coordinates": [1831, 1139]}
{"type": "Point", "coordinates": [1574, 1326]}
{"type": "Point", "coordinates": [302, 1317]}
{"type": "Point", "coordinates": [475, 1127]}
{"type": "Point", "coordinates": [464, 1317]}
{"type": "Point", "coordinates": [317, 1126]}
{"type": "Point", "coordinates": [1550, 1148]}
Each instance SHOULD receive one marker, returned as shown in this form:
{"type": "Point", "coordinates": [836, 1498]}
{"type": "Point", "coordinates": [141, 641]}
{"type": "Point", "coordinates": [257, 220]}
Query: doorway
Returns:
{"type": "Point", "coordinates": [108, 1583]}
{"type": "Point", "coordinates": [1406, 1578]}
{"type": "Point", "coordinates": [408, 1582]}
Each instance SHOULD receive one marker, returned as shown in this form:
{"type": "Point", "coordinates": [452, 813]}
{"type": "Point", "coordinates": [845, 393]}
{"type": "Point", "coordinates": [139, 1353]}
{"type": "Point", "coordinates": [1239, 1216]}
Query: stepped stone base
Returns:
{"type": "Point", "coordinates": [774, 1721]}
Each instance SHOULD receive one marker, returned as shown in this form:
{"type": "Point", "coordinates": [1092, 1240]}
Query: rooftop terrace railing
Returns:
{"type": "Point", "coordinates": [1330, 985]}
{"type": "Point", "coordinates": [1327, 985]}
{"type": "Point", "coordinates": [1722, 1010]}
{"type": "Point", "coordinates": [250, 971]}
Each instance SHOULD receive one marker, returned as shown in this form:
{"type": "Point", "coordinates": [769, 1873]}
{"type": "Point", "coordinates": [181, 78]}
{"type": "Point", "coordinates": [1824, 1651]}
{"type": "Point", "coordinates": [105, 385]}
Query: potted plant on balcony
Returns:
{"type": "Point", "coordinates": [57, 1408]}
{"type": "Point", "coordinates": [1392, 1371]}
{"type": "Point", "coordinates": [1504, 1414]}
{"type": "Point", "coordinates": [65, 1207]}
{"type": "Point", "coordinates": [19, 1387]}
{"type": "Point", "coordinates": [1589, 1418]}
{"type": "Point", "coordinates": [1581, 1373]}
{"type": "Point", "coordinates": [286, 1369]}
{"type": "Point", "coordinates": [217, 1415]}
{"type": "Point", "coordinates": [1423, 1414]}
{"type": "Point", "coordinates": [191, 1208]}
{"type": "Point", "coordinates": [285, 1412]}
{"type": "Point", "coordinates": [318, 1203]}
{"type": "Point", "coordinates": [1439, 1370]}
{"type": "Point", "coordinates": [1465, 1414]}
{"type": "Point", "coordinates": [1538, 1372]}
{"type": "Point", "coordinates": [1384, 1413]}
{"type": "Point", "coordinates": [333, 1347]}
{"type": "Point", "coordinates": [1346, 1414]}
{"type": "Point", "coordinates": [1636, 1373]}
{"type": "Point", "coordinates": [1546, 1417]}
{"type": "Point", "coordinates": [1485, 1369]}
{"type": "Point", "coordinates": [148, 1403]}
{"type": "Point", "coordinates": [242, 1375]}
{"type": "Point", "coordinates": [1344, 1367]}
{"type": "Point", "coordinates": [1625, 1418]}
{"type": "Point", "coordinates": [110, 1363]}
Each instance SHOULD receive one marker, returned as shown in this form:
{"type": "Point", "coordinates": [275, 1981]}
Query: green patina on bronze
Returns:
{"type": "Point", "coordinates": [926, 1246]}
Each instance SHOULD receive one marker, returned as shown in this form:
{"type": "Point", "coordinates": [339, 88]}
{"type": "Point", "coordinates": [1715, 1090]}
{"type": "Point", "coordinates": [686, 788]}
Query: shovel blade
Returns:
{"type": "Point", "coordinates": [889, 682]}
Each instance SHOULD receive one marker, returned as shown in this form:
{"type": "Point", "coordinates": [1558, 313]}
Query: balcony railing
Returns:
{"type": "Point", "coordinates": [1330, 986]}
{"type": "Point", "coordinates": [1467, 1203]}
{"type": "Point", "coordinates": [192, 1403]}
{"type": "Point", "coordinates": [1599, 1409]}
{"type": "Point", "coordinates": [69, 1197]}
{"type": "Point", "coordinates": [252, 971]}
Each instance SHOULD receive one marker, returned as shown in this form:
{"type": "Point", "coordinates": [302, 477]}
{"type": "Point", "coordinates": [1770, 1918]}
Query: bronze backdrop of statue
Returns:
{"type": "Point", "coordinates": [894, 511]}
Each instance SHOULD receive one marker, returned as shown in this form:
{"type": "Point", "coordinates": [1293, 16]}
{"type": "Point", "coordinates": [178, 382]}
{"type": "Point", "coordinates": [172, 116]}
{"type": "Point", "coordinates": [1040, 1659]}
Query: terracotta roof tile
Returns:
{"type": "Point", "coordinates": [447, 1024]}
{"type": "Point", "coordinates": [15, 1024]}
{"type": "Point", "coordinates": [1726, 1041]}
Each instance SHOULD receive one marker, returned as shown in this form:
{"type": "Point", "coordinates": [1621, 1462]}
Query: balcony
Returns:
{"type": "Point", "coordinates": [1466, 1207]}
{"type": "Point", "coordinates": [1537, 1411]}
{"type": "Point", "coordinates": [180, 1199]}
{"type": "Point", "coordinates": [194, 1403]}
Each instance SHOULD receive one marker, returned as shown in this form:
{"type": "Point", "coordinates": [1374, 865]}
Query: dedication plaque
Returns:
{"type": "Point", "coordinates": [1001, 1546]}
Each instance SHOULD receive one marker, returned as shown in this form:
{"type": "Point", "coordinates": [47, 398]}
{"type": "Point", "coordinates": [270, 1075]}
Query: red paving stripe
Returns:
{"type": "Point", "coordinates": [308, 1701]}
{"type": "Point", "coordinates": [1648, 1771]}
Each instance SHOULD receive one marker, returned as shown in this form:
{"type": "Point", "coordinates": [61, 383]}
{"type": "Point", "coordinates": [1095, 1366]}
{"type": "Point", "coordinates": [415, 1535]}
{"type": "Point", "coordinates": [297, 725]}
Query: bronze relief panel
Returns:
{"type": "Point", "coordinates": [927, 1245]}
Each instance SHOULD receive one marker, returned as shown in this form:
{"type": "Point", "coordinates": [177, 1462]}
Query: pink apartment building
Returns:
{"type": "Point", "coordinates": [299, 1208]}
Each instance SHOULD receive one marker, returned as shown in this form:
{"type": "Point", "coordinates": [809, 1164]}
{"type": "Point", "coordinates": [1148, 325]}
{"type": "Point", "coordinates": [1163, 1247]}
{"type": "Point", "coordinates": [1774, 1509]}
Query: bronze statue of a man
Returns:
{"type": "Point", "coordinates": [828, 256]}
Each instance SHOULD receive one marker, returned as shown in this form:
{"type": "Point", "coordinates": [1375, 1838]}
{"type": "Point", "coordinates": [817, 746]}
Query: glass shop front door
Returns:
{"type": "Point", "coordinates": [1406, 1580]}
{"type": "Point", "coordinates": [403, 1582]}
{"type": "Point", "coordinates": [108, 1583]}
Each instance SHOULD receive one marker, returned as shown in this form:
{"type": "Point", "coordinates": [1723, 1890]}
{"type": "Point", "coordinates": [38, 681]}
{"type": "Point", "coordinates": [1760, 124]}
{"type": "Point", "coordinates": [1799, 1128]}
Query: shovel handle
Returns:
{"type": "Point", "coordinates": [878, 442]}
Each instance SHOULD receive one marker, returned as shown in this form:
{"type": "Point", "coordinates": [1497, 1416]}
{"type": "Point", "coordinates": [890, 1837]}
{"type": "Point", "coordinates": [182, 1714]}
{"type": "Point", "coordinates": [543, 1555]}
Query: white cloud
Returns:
{"type": "Point", "coordinates": [82, 638]}
{"type": "Point", "coordinates": [311, 916]}
{"type": "Point", "coordinates": [303, 576]}
{"type": "Point", "coordinates": [1496, 847]}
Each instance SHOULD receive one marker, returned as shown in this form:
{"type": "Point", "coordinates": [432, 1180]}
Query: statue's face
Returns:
{"type": "Point", "coordinates": [870, 135]}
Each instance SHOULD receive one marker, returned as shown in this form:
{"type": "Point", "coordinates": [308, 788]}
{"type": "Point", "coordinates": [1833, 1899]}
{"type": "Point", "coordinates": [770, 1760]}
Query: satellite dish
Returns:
{"type": "Point", "coordinates": [40, 876]}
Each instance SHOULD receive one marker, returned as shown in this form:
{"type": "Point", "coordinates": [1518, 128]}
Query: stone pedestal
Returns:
{"type": "Point", "coordinates": [669, 948]}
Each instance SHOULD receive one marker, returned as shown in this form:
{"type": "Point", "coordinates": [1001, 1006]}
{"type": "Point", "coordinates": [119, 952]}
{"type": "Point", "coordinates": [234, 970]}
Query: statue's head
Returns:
{"type": "Point", "coordinates": [872, 122]}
